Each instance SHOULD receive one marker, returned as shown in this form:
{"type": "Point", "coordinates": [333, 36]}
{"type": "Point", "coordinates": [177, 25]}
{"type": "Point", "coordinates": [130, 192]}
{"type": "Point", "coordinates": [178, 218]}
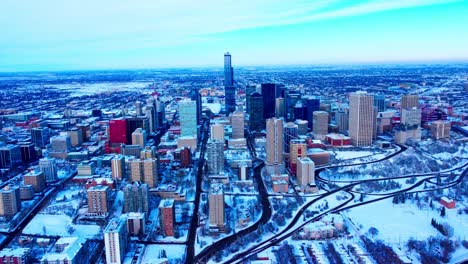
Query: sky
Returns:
{"type": "Point", "coordinates": [125, 34]}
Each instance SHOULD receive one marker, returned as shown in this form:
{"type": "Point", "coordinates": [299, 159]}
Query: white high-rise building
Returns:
{"type": "Point", "coordinates": [305, 171]}
{"type": "Point", "coordinates": [361, 118]}
{"type": "Point", "coordinates": [115, 241]}
{"type": "Point", "coordinates": [274, 141]}
{"type": "Point", "coordinates": [188, 118]}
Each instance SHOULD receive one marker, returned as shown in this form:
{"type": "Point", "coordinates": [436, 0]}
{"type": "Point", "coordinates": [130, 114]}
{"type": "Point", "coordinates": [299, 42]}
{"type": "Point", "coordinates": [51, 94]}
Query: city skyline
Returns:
{"type": "Point", "coordinates": [53, 36]}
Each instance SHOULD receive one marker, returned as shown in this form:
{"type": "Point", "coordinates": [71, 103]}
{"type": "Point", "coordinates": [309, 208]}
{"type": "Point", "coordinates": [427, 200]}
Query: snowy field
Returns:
{"type": "Point", "coordinates": [155, 253]}
{"type": "Point", "coordinates": [59, 225]}
{"type": "Point", "coordinates": [79, 89]}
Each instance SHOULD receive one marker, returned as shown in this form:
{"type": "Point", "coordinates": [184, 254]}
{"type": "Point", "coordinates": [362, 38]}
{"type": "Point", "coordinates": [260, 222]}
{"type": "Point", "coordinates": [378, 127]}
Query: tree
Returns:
{"type": "Point", "coordinates": [373, 231]}
{"type": "Point", "coordinates": [442, 211]}
{"type": "Point", "coordinates": [430, 204]}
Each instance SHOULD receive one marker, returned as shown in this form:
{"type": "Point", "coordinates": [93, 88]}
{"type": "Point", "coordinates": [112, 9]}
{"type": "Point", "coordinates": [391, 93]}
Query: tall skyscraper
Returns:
{"type": "Point", "coordinates": [118, 167]}
{"type": "Point", "coordinates": [188, 118]}
{"type": "Point", "coordinates": [136, 198]}
{"type": "Point", "coordinates": [269, 93]}
{"type": "Point", "coordinates": [139, 137]}
{"type": "Point", "coordinates": [229, 90]}
{"type": "Point", "coordinates": [216, 205]}
{"type": "Point", "coordinates": [49, 167]}
{"type": "Point", "coordinates": [274, 141]}
{"type": "Point", "coordinates": [312, 104]}
{"type": "Point", "coordinates": [217, 132]}
{"type": "Point", "coordinates": [255, 111]}
{"type": "Point", "coordinates": [215, 156]}
{"type": "Point", "coordinates": [379, 102]}
{"type": "Point", "coordinates": [115, 241]}
{"type": "Point", "coordinates": [133, 123]}
{"type": "Point", "coordinates": [237, 123]}
{"type": "Point", "coordinates": [290, 132]}
{"type": "Point", "coordinates": [279, 108]}
{"type": "Point", "coordinates": [320, 128]}
{"type": "Point", "coordinates": [167, 216]}
{"type": "Point", "coordinates": [361, 118]}
{"type": "Point", "coordinates": [409, 101]}
{"type": "Point", "coordinates": [300, 111]}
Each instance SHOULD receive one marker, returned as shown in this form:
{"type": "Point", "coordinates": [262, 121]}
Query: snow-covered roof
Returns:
{"type": "Point", "coordinates": [71, 246]}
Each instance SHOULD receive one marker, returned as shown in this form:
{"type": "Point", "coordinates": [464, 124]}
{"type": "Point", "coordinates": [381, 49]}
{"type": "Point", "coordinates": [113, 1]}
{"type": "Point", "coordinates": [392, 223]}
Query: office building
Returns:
{"type": "Point", "coordinates": [302, 127]}
{"type": "Point", "coordinates": [409, 101]}
{"type": "Point", "coordinates": [196, 96]}
{"type": "Point", "coordinates": [255, 111]}
{"type": "Point", "coordinates": [217, 132]}
{"type": "Point", "coordinates": [10, 201]}
{"type": "Point", "coordinates": [361, 119]}
{"type": "Point", "coordinates": [10, 156]}
{"type": "Point", "coordinates": [118, 167]}
{"type": "Point", "coordinates": [139, 137]}
{"type": "Point", "coordinates": [60, 146]}
{"type": "Point", "coordinates": [300, 111]}
{"type": "Point", "coordinates": [28, 152]}
{"type": "Point", "coordinates": [320, 129]}
{"type": "Point", "coordinates": [49, 167]}
{"type": "Point", "coordinates": [290, 132]}
{"type": "Point", "coordinates": [133, 123]}
{"type": "Point", "coordinates": [36, 179]}
{"type": "Point", "coordinates": [115, 241]}
{"type": "Point", "coordinates": [229, 90]}
{"type": "Point", "coordinates": [342, 120]}
{"type": "Point", "coordinates": [85, 131]}
{"type": "Point", "coordinates": [305, 172]}
{"type": "Point", "coordinates": [215, 157]}
{"type": "Point", "coordinates": [291, 99]}
{"type": "Point", "coordinates": [270, 92]}
{"type": "Point", "coordinates": [237, 123]}
{"type": "Point", "coordinates": [312, 104]}
{"type": "Point", "coordinates": [379, 102]}
{"type": "Point", "coordinates": [274, 141]}
{"type": "Point", "coordinates": [86, 168]}
{"type": "Point", "coordinates": [188, 118]}
{"type": "Point", "coordinates": [279, 108]}
{"type": "Point", "coordinates": [167, 216]}
{"type": "Point", "coordinates": [40, 136]}
{"type": "Point", "coordinates": [136, 198]}
{"type": "Point", "coordinates": [76, 136]}
{"type": "Point", "coordinates": [440, 129]}
{"type": "Point", "coordinates": [216, 205]}
{"type": "Point", "coordinates": [99, 202]}
{"type": "Point", "coordinates": [138, 108]}
{"type": "Point", "coordinates": [117, 131]}
{"type": "Point", "coordinates": [130, 150]}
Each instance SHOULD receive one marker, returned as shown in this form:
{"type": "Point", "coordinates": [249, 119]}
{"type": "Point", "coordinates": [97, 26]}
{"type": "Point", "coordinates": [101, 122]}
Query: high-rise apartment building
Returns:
{"type": "Point", "coordinates": [361, 118]}
{"type": "Point", "coordinates": [99, 200]}
{"type": "Point", "coordinates": [274, 141]}
{"type": "Point", "coordinates": [118, 167]}
{"type": "Point", "coordinates": [115, 241]}
{"type": "Point", "coordinates": [10, 156]}
{"type": "Point", "coordinates": [139, 137]}
{"type": "Point", "coordinates": [167, 216]}
{"type": "Point", "coordinates": [144, 170]}
{"type": "Point", "coordinates": [10, 202]}
{"type": "Point", "coordinates": [215, 157]}
{"type": "Point", "coordinates": [216, 205]}
{"type": "Point", "coordinates": [305, 171]}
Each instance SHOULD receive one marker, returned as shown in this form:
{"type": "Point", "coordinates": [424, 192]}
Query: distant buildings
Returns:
{"type": "Point", "coordinates": [361, 118]}
{"type": "Point", "coordinates": [440, 129]}
{"type": "Point", "coordinates": [216, 206]}
{"type": "Point", "coordinates": [99, 202]}
{"type": "Point", "coordinates": [312, 104]}
{"type": "Point", "coordinates": [379, 102]}
{"type": "Point", "coordinates": [274, 141]}
{"type": "Point", "coordinates": [410, 125]}
{"type": "Point", "coordinates": [10, 202]}
{"type": "Point", "coordinates": [215, 157]}
{"type": "Point", "coordinates": [136, 198]}
{"type": "Point", "coordinates": [342, 120]}
{"type": "Point", "coordinates": [115, 241]}
{"type": "Point", "coordinates": [167, 216]}
{"type": "Point", "coordinates": [15, 256]}
{"type": "Point", "coordinates": [229, 90]}
{"type": "Point", "coordinates": [188, 118]}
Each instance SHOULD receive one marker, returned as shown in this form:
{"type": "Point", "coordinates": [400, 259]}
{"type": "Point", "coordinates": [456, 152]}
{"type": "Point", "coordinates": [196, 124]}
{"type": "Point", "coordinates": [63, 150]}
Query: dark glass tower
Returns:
{"type": "Point", "coordinates": [255, 110]}
{"type": "Point", "coordinates": [270, 92]}
{"type": "Point", "coordinates": [312, 104]}
{"type": "Point", "coordinates": [229, 90]}
{"type": "Point", "coordinates": [195, 96]}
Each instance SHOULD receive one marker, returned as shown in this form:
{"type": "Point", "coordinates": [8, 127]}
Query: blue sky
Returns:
{"type": "Point", "coordinates": [109, 34]}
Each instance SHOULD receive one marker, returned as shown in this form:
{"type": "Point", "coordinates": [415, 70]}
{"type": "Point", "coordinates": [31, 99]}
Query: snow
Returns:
{"type": "Point", "coordinates": [153, 252]}
{"type": "Point", "coordinates": [57, 225]}
{"type": "Point", "coordinates": [344, 155]}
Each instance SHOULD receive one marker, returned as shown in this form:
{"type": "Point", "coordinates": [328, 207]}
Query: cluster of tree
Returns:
{"type": "Point", "coordinates": [378, 186]}
{"type": "Point", "coordinates": [353, 252]}
{"type": "Point", "coordinates": [433, 250]}
{"type": "Point", "coordinates": [285, 254]}
{"type": "Point", "coordinates": [445, 229]}
{"type": "Point", "coordinates": [332, 255]}
{"type": "Point", "coordinates": [380, 252]}
{"type": "Point", "coordinates": [399, 198]}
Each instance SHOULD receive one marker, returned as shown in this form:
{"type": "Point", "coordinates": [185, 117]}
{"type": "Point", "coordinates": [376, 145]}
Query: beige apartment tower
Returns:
{"type": "Point", "coordinates": [274, 141]}
{"type": "Point", "coordinates": [237, 123]}
{"type": "Point", "coordinates": [139, 137]}
{"type": "Point", "coordinates": [361, 118]}
{"type": "Point", "coordinates": [216, 205]}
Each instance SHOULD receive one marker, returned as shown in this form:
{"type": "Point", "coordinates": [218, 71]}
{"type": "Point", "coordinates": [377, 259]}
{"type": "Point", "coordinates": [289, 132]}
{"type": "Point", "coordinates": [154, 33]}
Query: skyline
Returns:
{"type": "Point", "coordinates": [147, 35]}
